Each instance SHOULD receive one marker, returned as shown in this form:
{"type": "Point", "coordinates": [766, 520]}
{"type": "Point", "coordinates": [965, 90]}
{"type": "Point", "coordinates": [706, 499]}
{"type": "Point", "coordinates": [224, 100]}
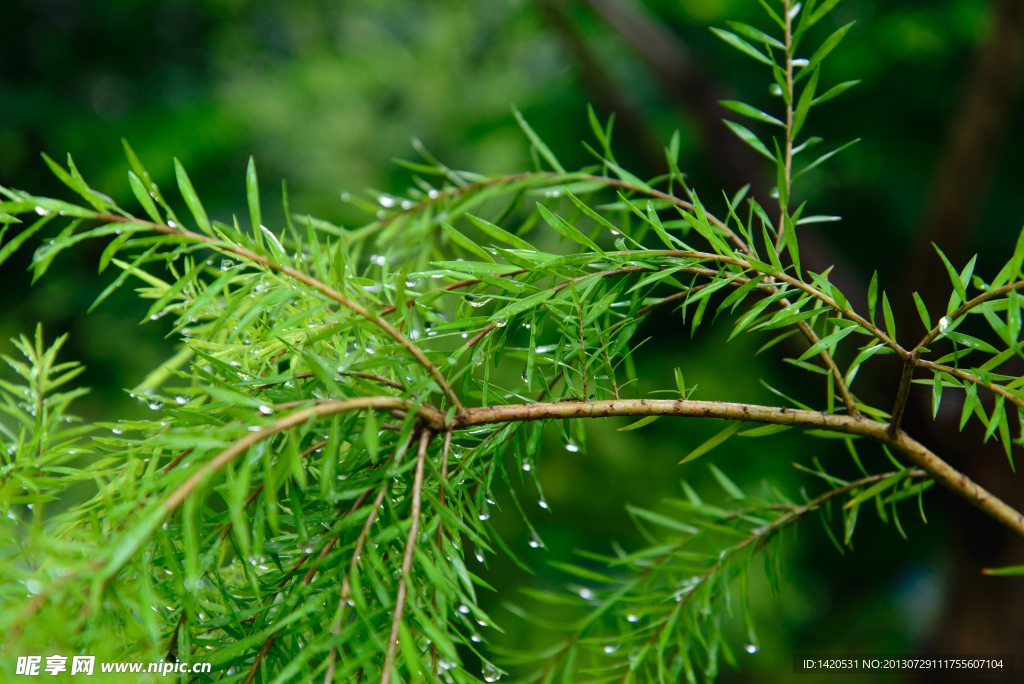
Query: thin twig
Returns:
{"type": "Point", "coordinates": [307, 579]}
{"type": "Point", "coordinates": [968, 377]}
{"type": "Point", "coordinates": [435, 420]}
{"type": "Point", "coordinates": [177, 459]}
{"type": "Point", "coordinates": [357, 374]}
{"type": "Point", "coordinates": [259, 488]}
{"type": "Point", "coordinates": [444, 477]}
{"type": "Point", "coordinates": [583, 350]}
{"type": "Point", "coordinates": [966, 307]}
{"type": "Point", "coordinates": [440, 525]}
{"type": "Point", "coordinates": [761, 536]}
{"type": "Point", "coordinates": [788, 149]}
{"type": "Point", "coordinates": [410, 545]}
{"type": "Point", "coordinates": [504, 413]}
{"type": "Point", "coordinates": [323, 288]}
{"type": "Point", "coordinates": [451, 286]}
{"type": "Point", "coordinates": [346, 582]}
{"type": "Point", "coordinates": [903, 394]}
{"type": "Point", "coordinates": [611, 372]}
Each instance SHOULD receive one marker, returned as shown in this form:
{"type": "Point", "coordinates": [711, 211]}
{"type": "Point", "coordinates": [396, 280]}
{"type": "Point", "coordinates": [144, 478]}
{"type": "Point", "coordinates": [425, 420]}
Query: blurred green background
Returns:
{"type": "Point", "coordinates": [325, 94]}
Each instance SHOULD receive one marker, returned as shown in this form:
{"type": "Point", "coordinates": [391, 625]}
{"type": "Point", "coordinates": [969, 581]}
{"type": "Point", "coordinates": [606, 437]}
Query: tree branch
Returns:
{"type": "Point", "coordinates": [788, 149]}
{"type": "Point", "coordinates": [966, 307]}
{"type": "Point", "coordinates": [321, 287]}
{"type": "Point", "coordinates": [920, 456]}
{"type": "Point", "coordinates": [435, 420]}
{"type": "Point", "coordinates": [903, 394]}
{"type": "Point", "coordinates": [410, 545]}
{"type": "Point", "coordinates": [346, 582]}
{"type": "Point", "coordinates": [967, 377]}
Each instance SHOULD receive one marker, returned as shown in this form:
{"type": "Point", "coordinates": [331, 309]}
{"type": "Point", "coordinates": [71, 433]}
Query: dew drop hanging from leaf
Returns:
{"type": "Point", "coordinates": [491, 673]}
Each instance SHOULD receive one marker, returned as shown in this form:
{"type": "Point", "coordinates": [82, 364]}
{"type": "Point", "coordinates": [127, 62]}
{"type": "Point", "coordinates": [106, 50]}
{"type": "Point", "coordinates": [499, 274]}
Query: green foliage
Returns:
{"type": "Point", "coordinates": [306, 499]}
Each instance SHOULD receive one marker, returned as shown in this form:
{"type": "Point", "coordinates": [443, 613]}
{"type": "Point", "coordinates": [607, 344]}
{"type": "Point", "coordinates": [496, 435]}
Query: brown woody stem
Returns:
{"type": "Point", "coordinates": [903, 395]}
{"type": "Point", "coordinates": [410, 545]}
{"type": "Point", "coordinates": [321, 287]}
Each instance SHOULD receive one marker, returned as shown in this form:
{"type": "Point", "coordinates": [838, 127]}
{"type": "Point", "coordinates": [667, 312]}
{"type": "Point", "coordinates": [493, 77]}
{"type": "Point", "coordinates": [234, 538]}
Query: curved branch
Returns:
{"type": "Point", "coordinates": [134, 540]}
{"type": "Point", "coordinates": [435, 421]}
{"type": "Point", "coordinates": [791, 515]}
{"type": "Point", "coordinates": [966, 307]}
{"type": "Point", "coordinates": [346, 582]}
{"type": "Point", "coordinates": [798, 284]}
{"type": "Point", "coordinates": [410, 545]}
{"type": "Point", "coordinates": [448, 288]}
{"type": "Point", "coordinates": [308, 578]}
{"type": "Point", "coordinates": [762, 536]}
{"type": "Point", "coordinates": [920, 456]}
{"type": "Point", "coordinates": [321, 287]}
{"type": "Point", "coordinates": [808, 332]}
{"type": "Point", "coordinates": [967, 377]}
{"type": "Point", "coordinates": [611, 182]}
